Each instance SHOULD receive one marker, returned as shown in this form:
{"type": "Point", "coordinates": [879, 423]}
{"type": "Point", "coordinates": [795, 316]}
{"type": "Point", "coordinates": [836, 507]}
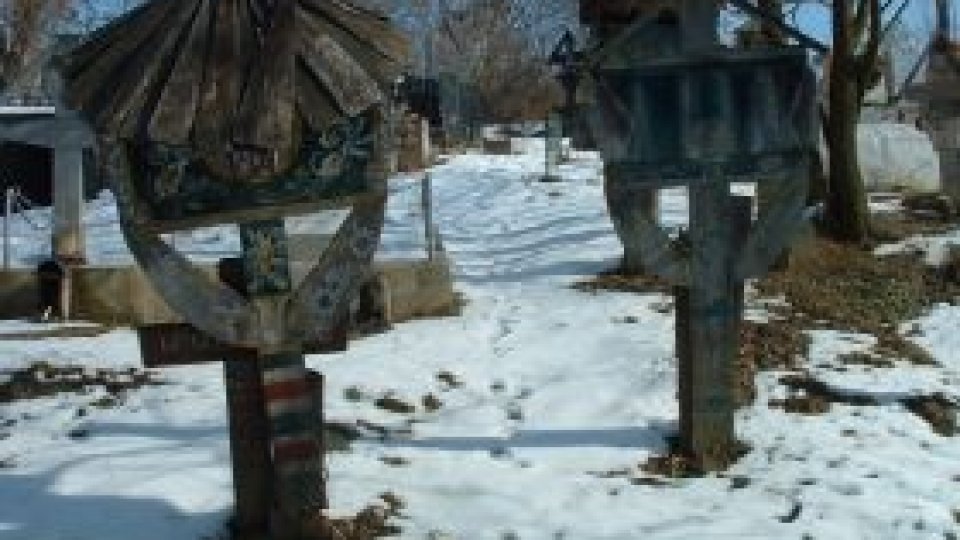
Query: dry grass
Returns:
{"type": "Point", "coordinates": [42, 379]}
{"type": "Point", "coordinates": [850, 288]}
{"type": "Point", "coordinates": [618, 280]}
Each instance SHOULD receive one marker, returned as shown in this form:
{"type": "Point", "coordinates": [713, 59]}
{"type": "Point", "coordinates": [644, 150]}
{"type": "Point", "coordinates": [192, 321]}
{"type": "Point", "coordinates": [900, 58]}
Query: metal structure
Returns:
{"type": "Point", "coordinates": [243, 111]}
{"type": "Point", "coordinates": [705, 117]}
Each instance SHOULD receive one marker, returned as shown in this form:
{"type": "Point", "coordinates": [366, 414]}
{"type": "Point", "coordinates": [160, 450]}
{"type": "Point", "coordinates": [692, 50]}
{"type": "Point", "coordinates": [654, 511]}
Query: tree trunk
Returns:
{"type": "Point", "coordinates": [847, 215]}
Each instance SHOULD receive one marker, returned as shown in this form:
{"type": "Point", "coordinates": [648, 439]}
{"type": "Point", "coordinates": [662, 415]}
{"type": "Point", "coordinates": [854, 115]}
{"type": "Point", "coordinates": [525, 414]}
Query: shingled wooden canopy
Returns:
{"type": "Point", "coordinates": [229, 106]}
{"type": "Point", "coordinates": [219, 73]}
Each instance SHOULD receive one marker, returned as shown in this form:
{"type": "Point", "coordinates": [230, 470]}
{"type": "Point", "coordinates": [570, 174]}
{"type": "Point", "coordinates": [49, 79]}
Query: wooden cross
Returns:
{"type": "Point", "coordinates": [705, 119]}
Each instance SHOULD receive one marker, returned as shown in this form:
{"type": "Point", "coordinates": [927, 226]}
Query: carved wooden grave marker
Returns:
{"type": "Point", "coordinates": [240, 111]}
{"type": "Point", "coordinates": [704, 119]}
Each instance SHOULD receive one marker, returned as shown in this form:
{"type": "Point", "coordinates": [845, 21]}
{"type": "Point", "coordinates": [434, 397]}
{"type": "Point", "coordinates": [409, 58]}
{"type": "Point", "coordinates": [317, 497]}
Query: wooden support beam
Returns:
{"type": "Point", "coordinates": [299, 491]}
{"type": "Point", "coordinates": [249, 432]}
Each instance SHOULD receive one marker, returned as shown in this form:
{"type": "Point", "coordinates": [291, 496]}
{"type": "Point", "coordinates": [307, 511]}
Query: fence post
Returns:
{"type": "Point", "coordinates": [7, 210]}
{"type": "Point", "coordinates": [426, 203]}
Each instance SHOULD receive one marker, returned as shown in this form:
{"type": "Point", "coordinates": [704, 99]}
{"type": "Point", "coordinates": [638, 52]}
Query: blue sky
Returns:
{"type": "Point", "coordinates": [814, 18]}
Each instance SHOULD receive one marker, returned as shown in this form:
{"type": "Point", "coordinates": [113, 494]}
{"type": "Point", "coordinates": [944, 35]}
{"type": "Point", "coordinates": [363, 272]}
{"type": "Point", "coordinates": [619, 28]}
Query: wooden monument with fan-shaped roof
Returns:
{"type": "Point", "coordinates": [246, 112]}
{"type": "Point", "coordinates": [235, 109]}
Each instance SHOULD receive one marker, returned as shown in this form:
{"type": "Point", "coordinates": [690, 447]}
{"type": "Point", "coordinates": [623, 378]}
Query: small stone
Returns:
{"type": "Point", "coordinates": [431, 403]}
{"type": "Point", "coordinates": [739, 482]}
{"type": "Point", "coordinates": [792, 515]}
{"type": "Point", "coordinates": [449, 379]}
{"type": "Point", "coordinates": [394, 405]}
{"type": "Point", "coordinates": [394, 461]}
{"type": "Point", "coordinates": [352, 393]}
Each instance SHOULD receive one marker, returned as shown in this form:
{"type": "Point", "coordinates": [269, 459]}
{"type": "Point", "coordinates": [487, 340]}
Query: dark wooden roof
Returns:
{"type": "Point", "coordinates": [210, 73]}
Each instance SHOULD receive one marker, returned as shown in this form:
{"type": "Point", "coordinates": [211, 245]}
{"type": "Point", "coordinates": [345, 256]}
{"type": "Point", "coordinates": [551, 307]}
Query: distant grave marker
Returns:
{"type": "Point", "coordinates": [553, 147]}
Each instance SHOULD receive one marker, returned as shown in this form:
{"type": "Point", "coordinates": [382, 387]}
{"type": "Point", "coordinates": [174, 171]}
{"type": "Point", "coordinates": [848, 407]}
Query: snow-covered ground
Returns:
{"type": "Point", "coordinates": [559, 390]}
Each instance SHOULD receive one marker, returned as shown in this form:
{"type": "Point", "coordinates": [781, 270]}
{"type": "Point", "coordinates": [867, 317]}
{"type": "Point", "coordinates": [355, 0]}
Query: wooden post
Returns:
{"type": "Point", "coordinates": [249, 447]}
{"type": "Point", "coordinates": [68, 242]}
{"type": "Point", "coordinates": [249, 431]}
{"type": "Point", "coordinates": [426, 205]}
{"type": "Point", "coordinates": [299, 493]}
{"type": "Point", "coordinates": [706, 411]}
{"type": "Point", "coordinates": [706, 406]}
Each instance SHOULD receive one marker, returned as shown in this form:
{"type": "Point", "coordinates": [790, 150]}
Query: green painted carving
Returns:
{"type": "Point", "coordinates": [266, 261]}
{"type": "Point", "coordinates": [173, 185]}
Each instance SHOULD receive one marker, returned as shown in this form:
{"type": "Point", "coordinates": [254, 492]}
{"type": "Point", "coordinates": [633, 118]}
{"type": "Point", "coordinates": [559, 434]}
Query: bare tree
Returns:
{"type": "Point", "coordinates": [29, 26]}
{"type": "Point", "coordinates": [854, 68]}
{"type": "Point", "coordinates": [500, 47]}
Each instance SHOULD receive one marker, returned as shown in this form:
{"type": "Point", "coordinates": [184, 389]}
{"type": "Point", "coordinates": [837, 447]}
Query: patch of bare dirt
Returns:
{"type": "Point", "coordinates": [370, 523]}
{"type": "Point", "coordinates": [778, 344]}
{"type": "Point", "coordinates": [936, 410]}
{"type": "Point", "coordinates": [678, 464]}
{"type": "Point", "coordinates": [849, 288]}
{"type": "Point", "coordinates": [814, 397]}
{"type": "Point", "coordinates": [618, 280]}
{"type": "Point", "coordinates": [394, 405]}
{"type": "Point", "coordinates": [42, 379]}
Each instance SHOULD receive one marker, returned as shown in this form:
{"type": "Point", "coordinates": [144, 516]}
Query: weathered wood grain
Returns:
{"type": "Point", "coordinates": [321, 300]}
{"type": "Point", "coordinates": [178, 100]}
{"type": "Point", "coordinates": [247, 73]}
{"type": "Point", "coordinates": [778, 224]}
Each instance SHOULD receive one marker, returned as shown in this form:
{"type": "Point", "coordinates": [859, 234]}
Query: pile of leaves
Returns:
{"type": "Point", "coordinates": [42, 379]}
{"type": "Point", "coordinates": [619, 280]}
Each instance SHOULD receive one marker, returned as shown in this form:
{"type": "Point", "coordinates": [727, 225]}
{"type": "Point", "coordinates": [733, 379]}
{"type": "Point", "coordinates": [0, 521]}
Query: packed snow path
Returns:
{"type": "Point", "coordinates": [560, 391]}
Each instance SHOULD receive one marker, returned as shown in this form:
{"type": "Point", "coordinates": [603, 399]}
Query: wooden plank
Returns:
{"type": "Point", "coordinates": [90, 87]}
{"type": "Point", "coordinates": [707, 404]}
{"type": "Point", "coordinates": [171, 345]}
{"type": "Point", "coordinates": [774, 166]}
{"type": "Point", "coordinates": [177, 104]}
{"type": "Point", "coordinates": [362, 29]}
{"type": "Point", "coordinates": [778, 225]}
{"type": "Point", "coordinates": [133, 89]}
{"type": "Point", "coordinates": [299, 482]}
{"type": "Point", "coordinates": [322, 296]}
{"type": "Point", "coordinates": [384, 66]}
{"type": "Point", "coordinates": [340, 74]}
{"type": "Point", "coordinates": [211, 306]}
{"type": "Point", "coordinates": [641, 235]}
{"type": "Point", "coordinates": [249, 447]}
